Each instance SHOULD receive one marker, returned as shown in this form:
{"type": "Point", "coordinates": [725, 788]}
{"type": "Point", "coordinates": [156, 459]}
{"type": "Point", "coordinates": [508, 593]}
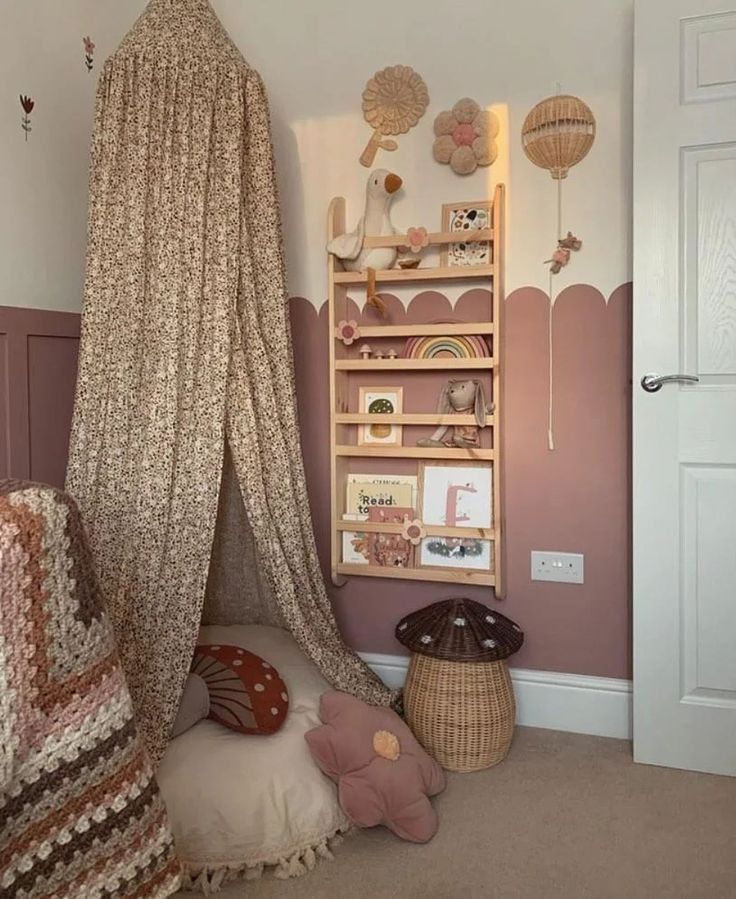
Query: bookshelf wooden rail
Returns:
{"type": "Point", "coordinates": [347, 371]}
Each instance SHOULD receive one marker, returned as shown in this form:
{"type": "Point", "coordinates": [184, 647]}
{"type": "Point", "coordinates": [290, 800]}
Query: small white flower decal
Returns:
{"type": "Point", "coordinates": [426, 638]}
{"type": "Point", "coordinates": [459, 622]}
{"type": "Point", "coordinates": [490, 619]}
{"type": "Point", "coordinates": [274, 710]}
{"type": "Point", "coordinates": [259, 688]}
{"type": "Point", "coordinates": [489, 643]}
{"type": "Point", "coordinates": [284, 697]}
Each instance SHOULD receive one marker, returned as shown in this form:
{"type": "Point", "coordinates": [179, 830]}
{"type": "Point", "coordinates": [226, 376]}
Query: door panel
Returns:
{"type": "Point", "coordinates": [684, 464]}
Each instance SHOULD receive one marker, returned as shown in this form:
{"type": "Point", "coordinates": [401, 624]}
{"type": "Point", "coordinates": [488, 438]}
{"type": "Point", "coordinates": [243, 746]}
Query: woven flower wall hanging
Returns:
{"type": "Point", "coordinates": [393, 102]}
{"type": "Point", "coordinates": [465, 137]}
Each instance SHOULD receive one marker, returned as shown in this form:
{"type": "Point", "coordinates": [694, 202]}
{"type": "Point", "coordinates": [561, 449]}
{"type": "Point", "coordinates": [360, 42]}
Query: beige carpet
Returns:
{"type": "Point", "coordinates": [564, 816]}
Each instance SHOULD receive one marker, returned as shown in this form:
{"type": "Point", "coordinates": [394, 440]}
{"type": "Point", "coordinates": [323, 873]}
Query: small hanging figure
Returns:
{"type": "Point", "coordinates": [561, 255]}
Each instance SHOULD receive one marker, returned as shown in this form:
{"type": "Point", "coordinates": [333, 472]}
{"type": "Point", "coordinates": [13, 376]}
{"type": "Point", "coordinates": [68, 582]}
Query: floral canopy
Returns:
{"type": "Point", "coordinates": [186, 369]}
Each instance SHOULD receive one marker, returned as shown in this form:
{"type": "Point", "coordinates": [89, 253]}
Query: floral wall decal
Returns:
{"type": "Point", "coordinates": [89, 53]}
{"type": "Point", "coordinates": [27, 105]}
{"type": "Point", "coordinates": [465, 137]}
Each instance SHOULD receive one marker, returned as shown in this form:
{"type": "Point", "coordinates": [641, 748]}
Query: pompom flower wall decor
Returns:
{"type": "Point", "coordinates": [465, 137]}
{"type": "Point", "coordinates": [393, 102]}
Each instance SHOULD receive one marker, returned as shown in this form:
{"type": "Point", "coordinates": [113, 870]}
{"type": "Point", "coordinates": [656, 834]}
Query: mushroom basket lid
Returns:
{"type": "Point", "coordinates": [460, 630]}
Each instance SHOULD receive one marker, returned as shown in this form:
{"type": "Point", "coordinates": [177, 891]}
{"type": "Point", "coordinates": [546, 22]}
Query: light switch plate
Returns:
{"type": "Point", "coordinates": [561, 568]}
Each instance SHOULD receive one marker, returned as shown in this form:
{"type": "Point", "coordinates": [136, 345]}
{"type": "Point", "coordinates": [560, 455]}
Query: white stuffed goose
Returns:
{"type": "Point", "coordinates": [375, 222]}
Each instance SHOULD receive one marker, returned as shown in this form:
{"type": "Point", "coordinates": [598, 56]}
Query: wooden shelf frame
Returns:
{"type": "Point", "coordinates": [447, 575]}
{"type": "Point", "coordinates": [347, 450]}
{"type": "Point", "coordinates": [397, 364]}
{"type": "Point", "coordinates": [448, 330]}
{"type": "Point", "coordinates": [408, 418]}
{"type": "Point", "coordinates": [343, 422]}
{"type": "Point", "coordinates": [377, 527]}
{"type": "Point", "coordinates": [438, 273]}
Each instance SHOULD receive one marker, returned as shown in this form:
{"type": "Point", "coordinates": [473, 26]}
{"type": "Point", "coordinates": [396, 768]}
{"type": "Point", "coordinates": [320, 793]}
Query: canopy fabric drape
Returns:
{"type": "Point", "coordinates": [186, 349]}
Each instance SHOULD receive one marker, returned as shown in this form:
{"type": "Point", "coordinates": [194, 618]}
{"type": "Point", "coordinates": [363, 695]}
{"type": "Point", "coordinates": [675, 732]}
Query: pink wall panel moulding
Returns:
{"type": "Point", "coordinates": [38, 372]}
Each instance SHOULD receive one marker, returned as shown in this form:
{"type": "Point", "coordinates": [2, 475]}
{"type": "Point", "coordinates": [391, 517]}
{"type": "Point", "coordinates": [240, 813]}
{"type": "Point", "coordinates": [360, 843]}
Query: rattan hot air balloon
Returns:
{"type": "Point", "coordinates": [558, 133]}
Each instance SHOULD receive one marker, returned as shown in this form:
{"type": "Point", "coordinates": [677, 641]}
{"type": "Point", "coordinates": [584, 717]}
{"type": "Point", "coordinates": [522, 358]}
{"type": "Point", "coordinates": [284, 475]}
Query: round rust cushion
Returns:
{"type": "Point", "coordinates": [246, 692]}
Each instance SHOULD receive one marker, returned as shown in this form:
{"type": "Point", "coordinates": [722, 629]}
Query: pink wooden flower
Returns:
{"type": "Point", "coordinates": [418, 239]}
{"type": "Point", "coordinates": [413, 531]}
{"type": "Point", "coordinates": [348, 332]}
{"type": "Point", "coordinates": [89, 47]}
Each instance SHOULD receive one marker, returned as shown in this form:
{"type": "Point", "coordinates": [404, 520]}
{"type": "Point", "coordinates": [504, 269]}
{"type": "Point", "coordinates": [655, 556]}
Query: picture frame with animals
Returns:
{"type": "Point", "coordinates": [467, 216]}
{"type": "Point", "coordinates": [380, 400]}
{"type": "Point", "coordinates": [460, 553]}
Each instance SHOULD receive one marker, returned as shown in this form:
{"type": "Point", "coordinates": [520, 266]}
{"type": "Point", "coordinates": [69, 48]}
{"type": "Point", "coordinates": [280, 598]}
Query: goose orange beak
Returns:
{"type": "Point", "coordinates": [392, 183]}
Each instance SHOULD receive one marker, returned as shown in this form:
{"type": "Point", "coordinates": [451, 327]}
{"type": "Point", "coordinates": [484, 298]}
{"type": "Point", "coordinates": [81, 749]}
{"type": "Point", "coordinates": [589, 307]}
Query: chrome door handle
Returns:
{"type": "Point", "coordinates": [653, 382]}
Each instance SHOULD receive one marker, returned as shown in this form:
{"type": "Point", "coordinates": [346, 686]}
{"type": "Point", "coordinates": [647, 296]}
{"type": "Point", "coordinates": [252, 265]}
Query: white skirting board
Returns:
{"type": "Point", "coordinates": [600, 706]}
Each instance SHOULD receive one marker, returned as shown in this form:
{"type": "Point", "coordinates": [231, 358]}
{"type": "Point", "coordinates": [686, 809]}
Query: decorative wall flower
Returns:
{"type": "Point", "coordinates": [89, 53]}
{"type": "Point", "coordinates": [347, 332]}
{"type": "Point", "coordinates": [413, 531]}
{"type": "Point", "coordinates": [418, 239]}
{"type": "Point", "coordinates": [465, 137]}
{"type": "Point", "coordinates": [27, 105]}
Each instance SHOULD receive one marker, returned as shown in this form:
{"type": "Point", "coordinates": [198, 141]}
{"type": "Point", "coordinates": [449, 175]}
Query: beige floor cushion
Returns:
{"type": "Point", "coordinates": [237, 802]}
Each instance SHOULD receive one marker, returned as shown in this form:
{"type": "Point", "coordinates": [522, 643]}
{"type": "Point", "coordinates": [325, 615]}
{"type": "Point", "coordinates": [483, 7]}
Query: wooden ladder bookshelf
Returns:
{"type": "Point", "coordinates": [345, 364]}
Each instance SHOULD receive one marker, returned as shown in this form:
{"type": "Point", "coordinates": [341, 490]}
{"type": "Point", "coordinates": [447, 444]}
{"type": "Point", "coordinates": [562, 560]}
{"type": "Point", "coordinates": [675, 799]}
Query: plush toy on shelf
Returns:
{"type": "Point", "coordinates": [461, 398]}
{"type": "Point", "coordinates": [375, 222]}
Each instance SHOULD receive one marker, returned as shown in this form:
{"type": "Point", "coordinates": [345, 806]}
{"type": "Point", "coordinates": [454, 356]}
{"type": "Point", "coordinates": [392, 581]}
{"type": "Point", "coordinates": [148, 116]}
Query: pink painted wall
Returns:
{"type": "Point", "coordinates": [38, 373]}
{"type": "Point", "coordinates": [575, 499]}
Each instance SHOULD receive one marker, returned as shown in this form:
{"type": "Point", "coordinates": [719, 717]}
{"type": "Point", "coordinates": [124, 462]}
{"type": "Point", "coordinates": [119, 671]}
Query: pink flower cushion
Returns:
{"type": "Point", "coordinates": [390, 788]}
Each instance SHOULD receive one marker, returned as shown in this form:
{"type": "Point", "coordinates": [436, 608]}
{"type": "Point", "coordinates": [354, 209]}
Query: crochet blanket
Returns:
{"type": "Point", "coordinates": [80, 810]}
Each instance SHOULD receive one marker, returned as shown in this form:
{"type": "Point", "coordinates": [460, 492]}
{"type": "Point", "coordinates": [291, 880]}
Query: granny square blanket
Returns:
{"type": "Point", "coordinates": [80, 810]}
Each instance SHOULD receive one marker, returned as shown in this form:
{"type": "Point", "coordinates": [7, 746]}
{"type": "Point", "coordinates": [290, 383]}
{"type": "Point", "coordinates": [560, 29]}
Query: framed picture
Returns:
{"type": "Point", "coordinates": [456, 494]}
{"type": "Point", "coordinates": [456, 552]}
{"type": "Point", "coordinates": [460, 217]}
{"type": "Point", "coordinates": [356, 548]}
{"type": "Point", "coordinates": [377, 401]}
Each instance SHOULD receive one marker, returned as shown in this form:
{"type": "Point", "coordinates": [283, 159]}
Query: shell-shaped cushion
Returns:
{"type": "Point", "coordinates": [247, 694]}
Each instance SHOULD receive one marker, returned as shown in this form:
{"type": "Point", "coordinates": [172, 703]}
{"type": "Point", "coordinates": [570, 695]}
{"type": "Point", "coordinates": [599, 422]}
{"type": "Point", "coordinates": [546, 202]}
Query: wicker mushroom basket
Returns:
{"type": "Point", "coordinates": [458, 697]}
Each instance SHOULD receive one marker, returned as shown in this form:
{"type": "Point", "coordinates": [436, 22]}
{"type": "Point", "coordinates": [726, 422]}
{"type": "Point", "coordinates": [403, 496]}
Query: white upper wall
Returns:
{"type": "Point", "coordinates": [315, 58]}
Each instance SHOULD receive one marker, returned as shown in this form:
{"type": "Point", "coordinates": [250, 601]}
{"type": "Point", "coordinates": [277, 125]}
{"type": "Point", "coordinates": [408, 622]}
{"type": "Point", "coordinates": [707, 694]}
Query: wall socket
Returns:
{"type": "Point", "coordinates": [562, 568]}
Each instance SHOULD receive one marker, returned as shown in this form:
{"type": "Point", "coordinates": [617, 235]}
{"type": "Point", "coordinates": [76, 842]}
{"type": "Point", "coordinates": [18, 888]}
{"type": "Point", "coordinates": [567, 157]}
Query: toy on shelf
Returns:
{"type": "Point", "coordinates": [462, 398]}
{"type": "Point", "coordinates": [365, 351]}
{"type": "Point", "coordinates": [375, 222]}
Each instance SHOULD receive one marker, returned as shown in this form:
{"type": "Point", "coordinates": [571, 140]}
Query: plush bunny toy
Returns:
{"type": "Point", "coordinates": [461, 397]}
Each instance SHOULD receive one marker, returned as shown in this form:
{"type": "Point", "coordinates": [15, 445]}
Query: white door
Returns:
{"type": "Point", "coordinates": [684, 434]}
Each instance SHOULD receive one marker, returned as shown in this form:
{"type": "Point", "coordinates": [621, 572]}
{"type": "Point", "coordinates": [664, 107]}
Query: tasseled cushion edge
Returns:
{"type": "Point", "coordinates": [211, 879]}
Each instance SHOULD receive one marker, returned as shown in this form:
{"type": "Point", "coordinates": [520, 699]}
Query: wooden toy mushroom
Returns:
{"type": "Point", "coordinates": [365, 351]}
{"type": "Point", "coordinates": [463, 714]}
{"type": "Point", "coordinates": [392, 354]}
{"type": "Point", "coordinates": [378, 354]}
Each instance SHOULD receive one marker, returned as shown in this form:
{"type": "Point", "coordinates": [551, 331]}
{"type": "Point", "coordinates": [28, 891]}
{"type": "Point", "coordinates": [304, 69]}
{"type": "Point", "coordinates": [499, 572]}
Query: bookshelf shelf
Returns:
{"type": "Point", "coordinates": [345, 368]}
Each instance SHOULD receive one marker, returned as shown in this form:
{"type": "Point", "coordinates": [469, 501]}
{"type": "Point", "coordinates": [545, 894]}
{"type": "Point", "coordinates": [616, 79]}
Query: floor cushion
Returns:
{"type": "Point", "coordinates": [383, 774]}
{"type": "Point", "coordinates": [238, 802]}
{"type": "Point", "coordinates": [246, 692]}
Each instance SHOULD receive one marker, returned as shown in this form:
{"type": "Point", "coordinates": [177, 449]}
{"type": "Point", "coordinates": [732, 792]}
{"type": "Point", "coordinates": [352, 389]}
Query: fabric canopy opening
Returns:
{"type": "Point", "coordinates": [186, 364]}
